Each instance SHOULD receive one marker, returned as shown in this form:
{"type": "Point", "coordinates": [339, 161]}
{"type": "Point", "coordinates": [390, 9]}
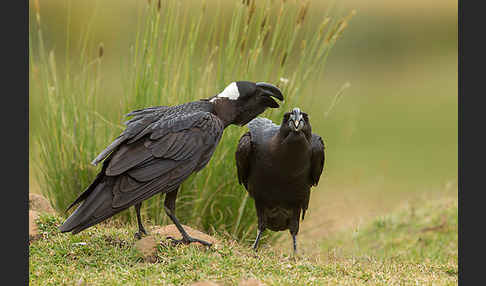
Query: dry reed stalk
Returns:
{"type": "Point", "coordinates": [302, 12]}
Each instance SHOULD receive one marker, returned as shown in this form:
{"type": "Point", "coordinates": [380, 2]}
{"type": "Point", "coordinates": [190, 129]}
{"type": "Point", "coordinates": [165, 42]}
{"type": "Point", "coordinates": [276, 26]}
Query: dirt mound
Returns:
{"type": "Point", "coordinates": [40, 204]}
{"type": "Point", "coordinates": [33, 229]}
{"type": "Point", "coordinates": [147, 246]}
{"type": "Point", "coordinates": [251, 282]}
{"type": "Point", "coordinates": [205, 283]}
{"type": "Point", "coordinates": [172, 231]}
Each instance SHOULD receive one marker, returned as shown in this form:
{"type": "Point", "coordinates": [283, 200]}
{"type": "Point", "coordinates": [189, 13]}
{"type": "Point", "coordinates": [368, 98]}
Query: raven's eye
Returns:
{"type": "Point", "coordinates": [306, 117]}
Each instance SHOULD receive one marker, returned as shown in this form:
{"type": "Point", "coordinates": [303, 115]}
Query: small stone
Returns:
{"type": "Point", "coordinates": [147, 246]}
{"type": "Point", "coordinates": [79, 243]}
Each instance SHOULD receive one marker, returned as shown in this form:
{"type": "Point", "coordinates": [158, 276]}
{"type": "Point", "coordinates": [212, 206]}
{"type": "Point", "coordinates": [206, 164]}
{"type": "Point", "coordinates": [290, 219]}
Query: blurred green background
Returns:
{"type": "Point", "coordinates": [391, 137]}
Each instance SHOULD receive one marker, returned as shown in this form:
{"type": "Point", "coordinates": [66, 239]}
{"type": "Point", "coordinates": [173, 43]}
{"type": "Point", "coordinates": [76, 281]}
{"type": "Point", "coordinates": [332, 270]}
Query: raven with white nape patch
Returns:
{"type": "Point", "coordinates": [160, 147]}
{"type": "Point", "coordinates": [278, 165]}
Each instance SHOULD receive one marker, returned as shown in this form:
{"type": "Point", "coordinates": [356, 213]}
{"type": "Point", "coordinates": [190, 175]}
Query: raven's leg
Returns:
{"type": "Point", "coordinates": [255, 244]}
{"type": "Point", "coordinates": [169, 205]}
{"type": "Point", "coordinates": [294, 241]}
{"type": "Point", "coordinates": [141, 229]}
{"type": "Point", "coordinates": [261, 224]}
{"type": "Point", "coordinates": [294, 227]}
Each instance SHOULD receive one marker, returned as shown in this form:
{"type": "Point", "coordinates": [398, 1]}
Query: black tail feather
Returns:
{"type": "Point", "coordinates": [94, 209]}
{"type": "Point", "coordinates": [93, 185]}
{"type": "Point", "coordinates": [87, 192]}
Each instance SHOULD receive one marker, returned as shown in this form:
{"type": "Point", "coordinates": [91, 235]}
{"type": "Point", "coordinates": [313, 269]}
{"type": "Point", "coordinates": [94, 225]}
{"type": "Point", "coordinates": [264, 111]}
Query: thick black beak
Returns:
{"type": "Point", "coordinates": [270, 90]}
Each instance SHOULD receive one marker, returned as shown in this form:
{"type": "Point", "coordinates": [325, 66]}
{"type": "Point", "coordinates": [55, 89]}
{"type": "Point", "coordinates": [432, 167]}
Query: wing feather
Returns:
{"type": "Point", "coordinates": [126, 157]}
{"type": "Point", "coordinates": [152, 169]}
{"type": "Point", "coordinates": [142, 119]}
{"type": "Point", "coordinates": [261, 127]}
{"type": "Point", "coordinates": [149, 166]}
{"type": "Point", "coordinates": [317, 160]}
{"type": "Point", "coordinates": [242, 155]}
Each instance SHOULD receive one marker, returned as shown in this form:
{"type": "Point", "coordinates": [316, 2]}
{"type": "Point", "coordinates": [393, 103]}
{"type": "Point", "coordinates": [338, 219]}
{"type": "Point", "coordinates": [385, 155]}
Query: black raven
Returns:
{"type": "Point", "coordinates": [160, 147]}
{"type": "Point", "coordinates": [278, 165]}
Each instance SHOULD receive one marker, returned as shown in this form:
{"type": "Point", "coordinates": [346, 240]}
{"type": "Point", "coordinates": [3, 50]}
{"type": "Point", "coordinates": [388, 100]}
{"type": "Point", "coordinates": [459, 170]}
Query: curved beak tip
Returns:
{"type": "Point", "coordinates": [279, 96]}
{"type": "Point", "coordinates": [271, 90]}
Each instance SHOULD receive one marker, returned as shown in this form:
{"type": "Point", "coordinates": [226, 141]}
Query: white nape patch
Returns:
{"type": "Point", "coordinates": [230, 92]}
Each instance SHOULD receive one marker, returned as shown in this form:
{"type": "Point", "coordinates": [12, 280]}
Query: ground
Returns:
{"type": "Point", "coordinates": [414, 245]}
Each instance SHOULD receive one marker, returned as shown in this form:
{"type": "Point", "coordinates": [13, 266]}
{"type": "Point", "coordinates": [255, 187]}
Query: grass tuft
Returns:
{"type": "Point", "coordinates": [425, 232]}
{"type": "Point", "coordinates": [105, 255]}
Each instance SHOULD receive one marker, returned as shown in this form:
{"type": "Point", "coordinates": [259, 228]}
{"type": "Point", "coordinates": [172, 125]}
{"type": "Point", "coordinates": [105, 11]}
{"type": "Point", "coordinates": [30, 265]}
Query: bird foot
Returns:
{"type": "Point", "coordinates": [188, 240]}
{"type": "Point", "coordinates": [140, 233]}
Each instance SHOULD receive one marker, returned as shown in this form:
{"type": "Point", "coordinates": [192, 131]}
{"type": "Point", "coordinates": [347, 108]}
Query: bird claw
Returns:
{"type": "Point", "coordinates": [188, 240]}
{"type": "Point", "coordinates": [139, 234]}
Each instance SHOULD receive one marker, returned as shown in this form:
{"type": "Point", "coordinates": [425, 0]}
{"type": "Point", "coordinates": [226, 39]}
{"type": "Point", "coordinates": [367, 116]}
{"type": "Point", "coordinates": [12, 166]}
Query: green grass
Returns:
{"type": "Point", "coordinates": [422, 235]}
{"type": "Point", "coordinates": [179, 53]}
{"type": "Point", "coordinates": [417, 245]}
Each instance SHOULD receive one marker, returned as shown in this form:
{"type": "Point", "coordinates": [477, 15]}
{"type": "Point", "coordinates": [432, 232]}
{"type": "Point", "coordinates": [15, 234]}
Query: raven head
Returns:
{"type": "Point", "coordinates": [296, 122]}
{"type": "Point", "coordinates": [241, 101]}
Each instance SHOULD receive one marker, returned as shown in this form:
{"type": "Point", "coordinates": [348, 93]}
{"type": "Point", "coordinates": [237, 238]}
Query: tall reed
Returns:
{"type": "Point", "coordinates": [70, 131]}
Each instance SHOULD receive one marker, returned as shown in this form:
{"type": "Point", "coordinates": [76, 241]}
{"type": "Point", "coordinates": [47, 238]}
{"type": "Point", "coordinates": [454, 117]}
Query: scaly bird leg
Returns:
{"type": "Point", "coordinates": [169, 206]}
{"type": "Point", "coordinates": [294, 228]}
{"type": "Point", "coordinates": [261, 223]}
{"type": "Point", "coordinates": [294, 242]}
{"type": "Point", "coordinates": [255, 244]}
{"type": "Point", "coordinates": [141, 229]}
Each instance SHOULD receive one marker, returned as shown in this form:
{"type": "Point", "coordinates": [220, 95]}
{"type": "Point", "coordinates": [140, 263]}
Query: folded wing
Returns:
{"type": "Point", "coordinates": [317, 160]}
{"type": "Point", "coordinates": [158, 150]}
{"type": "Point", "coordinates": [162, 158]}
{"type": "Point", "coordinates": [243, 156]}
